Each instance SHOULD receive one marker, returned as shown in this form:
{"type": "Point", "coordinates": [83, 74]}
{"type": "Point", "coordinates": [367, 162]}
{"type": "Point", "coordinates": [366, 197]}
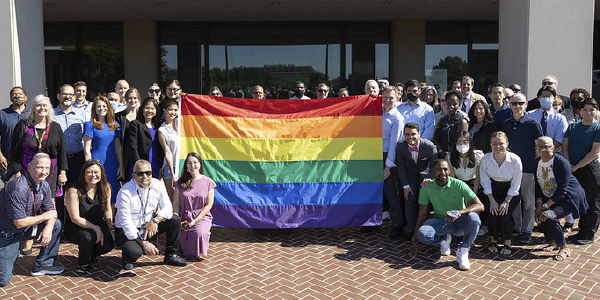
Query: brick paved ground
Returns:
{"type": "Point", "coordinates": [320, 264]}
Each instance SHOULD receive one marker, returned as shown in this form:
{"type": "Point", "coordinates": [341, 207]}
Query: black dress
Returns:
{"type": "Point", "coordinates": [93, 211]}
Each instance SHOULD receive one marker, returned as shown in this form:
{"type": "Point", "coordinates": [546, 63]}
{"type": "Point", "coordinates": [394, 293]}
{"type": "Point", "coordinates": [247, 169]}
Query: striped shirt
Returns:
{"type": "Point", "coordinates": [16, 201]}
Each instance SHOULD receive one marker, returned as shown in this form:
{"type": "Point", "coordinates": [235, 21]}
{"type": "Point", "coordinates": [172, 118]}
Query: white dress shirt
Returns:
{"type": "Point", "coordinates": [135, 206]}
{"type": "Point", "coordinates": [510, 170]}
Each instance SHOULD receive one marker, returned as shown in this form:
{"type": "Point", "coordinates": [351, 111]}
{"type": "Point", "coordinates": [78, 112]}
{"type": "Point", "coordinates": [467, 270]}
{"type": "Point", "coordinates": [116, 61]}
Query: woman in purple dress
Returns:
{"type": "Point", "coordinates": [194, 196]}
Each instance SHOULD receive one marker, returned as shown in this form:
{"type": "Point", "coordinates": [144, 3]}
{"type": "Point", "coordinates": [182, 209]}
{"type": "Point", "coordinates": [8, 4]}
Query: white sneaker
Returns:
{"type": "Point", "coordinates": [462, 257]}
{"type": "Point", "coordinates": [385, 215]}
{"type": "Point", "coordinates": [445, 245]}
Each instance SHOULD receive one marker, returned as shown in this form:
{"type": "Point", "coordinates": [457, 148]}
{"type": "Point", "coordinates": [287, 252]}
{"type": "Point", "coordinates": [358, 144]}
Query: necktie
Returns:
{"type": "Point", "coordinates": [544, 122]}
{"type": "Point", "coordinates": [464, 104]}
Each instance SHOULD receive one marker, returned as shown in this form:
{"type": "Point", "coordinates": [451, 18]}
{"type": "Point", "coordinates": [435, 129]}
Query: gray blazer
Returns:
{"type": "Point", "coordinates": [411, 173]}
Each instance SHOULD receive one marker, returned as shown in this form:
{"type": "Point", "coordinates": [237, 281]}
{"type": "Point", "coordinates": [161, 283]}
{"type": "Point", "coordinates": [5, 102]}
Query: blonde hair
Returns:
{"type": "Point", "coordinates": [30, 109]}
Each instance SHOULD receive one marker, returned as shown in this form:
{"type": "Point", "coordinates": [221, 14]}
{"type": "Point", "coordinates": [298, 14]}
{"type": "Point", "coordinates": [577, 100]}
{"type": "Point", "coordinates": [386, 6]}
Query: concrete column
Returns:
{"type": "Point", "coordinates": [140, 47]}
{"type": "Point", "coordinates": [546, 37]}
{"type": "Point", "coordinates": [22, 60]}
{"type": "Point", "coordinates": [407, 49]}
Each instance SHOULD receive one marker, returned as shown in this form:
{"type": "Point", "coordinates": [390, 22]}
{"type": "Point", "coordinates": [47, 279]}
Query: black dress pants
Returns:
{"type": "Point", "coordinates": [132, 250]}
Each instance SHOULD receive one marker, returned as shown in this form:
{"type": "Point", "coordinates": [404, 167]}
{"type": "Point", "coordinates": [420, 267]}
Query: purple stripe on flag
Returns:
{"type": "Point", "coordinates": [294, 216]}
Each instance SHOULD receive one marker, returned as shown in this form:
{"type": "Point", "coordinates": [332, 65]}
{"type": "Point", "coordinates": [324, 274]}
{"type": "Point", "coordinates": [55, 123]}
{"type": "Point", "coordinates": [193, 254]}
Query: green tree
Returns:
{"type": "Point", "coordinates": [456, 68]}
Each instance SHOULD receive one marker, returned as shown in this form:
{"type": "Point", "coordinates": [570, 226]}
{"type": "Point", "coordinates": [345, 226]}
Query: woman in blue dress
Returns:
{"type": "Point", "coordinates": [99, 141]}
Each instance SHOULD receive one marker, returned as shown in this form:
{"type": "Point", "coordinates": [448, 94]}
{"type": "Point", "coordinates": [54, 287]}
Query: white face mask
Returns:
{"type": "Point", "coordinates": [462, 149]}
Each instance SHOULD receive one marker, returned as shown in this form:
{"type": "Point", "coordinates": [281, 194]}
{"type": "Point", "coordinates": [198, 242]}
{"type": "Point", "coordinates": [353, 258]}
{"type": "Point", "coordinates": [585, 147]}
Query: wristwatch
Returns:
{"type": "Point", "coordinates": [155, 220]}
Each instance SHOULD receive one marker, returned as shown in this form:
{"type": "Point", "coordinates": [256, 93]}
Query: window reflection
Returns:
{"type": "Point", "coordinates": [276, 68]}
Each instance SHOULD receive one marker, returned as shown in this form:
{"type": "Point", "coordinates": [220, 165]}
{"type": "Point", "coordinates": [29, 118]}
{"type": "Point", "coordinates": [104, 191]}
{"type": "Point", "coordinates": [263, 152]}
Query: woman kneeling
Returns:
{"type": "Point", "coordinates": [90, 214]}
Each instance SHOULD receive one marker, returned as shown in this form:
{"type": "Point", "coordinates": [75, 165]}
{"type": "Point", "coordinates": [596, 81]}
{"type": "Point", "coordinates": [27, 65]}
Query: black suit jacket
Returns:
{"type": "Point", "coordinates": [411, 173]}
{"type": "Point", "coordinates": [140, 143]}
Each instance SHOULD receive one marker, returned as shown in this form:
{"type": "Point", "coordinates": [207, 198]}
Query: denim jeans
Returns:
{"type": "Point", "coordinates": [9, 251]}
{"type": "Point", "coordinates": [434, 230]}
{"type": "Point", "coordinates": [48, 254]}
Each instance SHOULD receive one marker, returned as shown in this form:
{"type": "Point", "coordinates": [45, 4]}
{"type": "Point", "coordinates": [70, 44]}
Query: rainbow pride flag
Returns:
{"type": "Point", "coordinates": [288, 163]}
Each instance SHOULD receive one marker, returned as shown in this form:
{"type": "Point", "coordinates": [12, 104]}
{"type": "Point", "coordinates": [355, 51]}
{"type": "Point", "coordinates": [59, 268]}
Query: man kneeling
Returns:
{"type": "Point", "coordinates": [447, 195]}
{"type": "Point", "coordinates": [137, 222]}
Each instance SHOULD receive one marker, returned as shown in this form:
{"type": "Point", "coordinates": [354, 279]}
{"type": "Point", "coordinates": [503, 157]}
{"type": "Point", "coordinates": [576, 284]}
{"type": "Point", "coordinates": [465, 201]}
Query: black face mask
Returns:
{"type": "Point", "coordinates": [412, 97]}
{"type": "Point", "coordinates": [299, 93]}
{"type": "Point", "coordinates": [576, 104]}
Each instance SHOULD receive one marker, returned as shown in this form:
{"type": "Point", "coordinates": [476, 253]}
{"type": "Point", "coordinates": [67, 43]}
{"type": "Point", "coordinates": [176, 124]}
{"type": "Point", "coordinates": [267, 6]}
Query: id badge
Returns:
{"type": "Point", "coordinates": [34, 231]}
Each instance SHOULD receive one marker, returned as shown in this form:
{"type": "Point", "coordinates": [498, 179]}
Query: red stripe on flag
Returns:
{"type": "Point", "coordinates": [362, 105]}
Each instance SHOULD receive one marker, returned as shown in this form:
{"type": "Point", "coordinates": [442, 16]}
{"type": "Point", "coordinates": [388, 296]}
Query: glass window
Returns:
{"type": "Point", "coordinates": [445, 64]}
{"type": "Point", "coordinates": [239, 68]}
{"type": "Point", "coordinates": [382, 61]}
{"type": "Point", "coordinates": [168, 64]}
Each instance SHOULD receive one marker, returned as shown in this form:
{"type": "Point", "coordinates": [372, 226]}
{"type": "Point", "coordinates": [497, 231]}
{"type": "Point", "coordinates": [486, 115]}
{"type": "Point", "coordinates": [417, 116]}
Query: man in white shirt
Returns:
{"type": "Point", "coordinates": [137, 222]}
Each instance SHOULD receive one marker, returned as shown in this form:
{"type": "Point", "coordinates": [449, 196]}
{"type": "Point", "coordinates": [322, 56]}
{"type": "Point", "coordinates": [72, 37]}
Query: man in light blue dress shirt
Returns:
{"type": "Point", "coordinates": [417, 111]}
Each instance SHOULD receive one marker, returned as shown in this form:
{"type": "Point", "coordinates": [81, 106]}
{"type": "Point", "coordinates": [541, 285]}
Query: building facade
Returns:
{"type": "Point", "coordinates": [233, 44]}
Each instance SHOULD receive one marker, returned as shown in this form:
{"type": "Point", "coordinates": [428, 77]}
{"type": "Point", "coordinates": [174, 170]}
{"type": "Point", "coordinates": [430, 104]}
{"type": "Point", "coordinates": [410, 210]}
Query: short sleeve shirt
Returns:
{"type": "Point", "coordinates": [17, 202]}
{"type": "Point", "coordinates": [452, 196]}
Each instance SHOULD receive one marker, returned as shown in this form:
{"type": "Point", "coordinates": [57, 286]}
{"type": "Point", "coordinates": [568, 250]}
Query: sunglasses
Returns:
{"type": "Point", "coordinates": [547, 83]}
{"type": "Point", "coordinates": [517, 103]}
{"type": "Point", "coordinates": [215, 94]}
{"type": "Point", "coordinates": [142, 173]}
{"type": "Point", "coordinates": [154, 91]}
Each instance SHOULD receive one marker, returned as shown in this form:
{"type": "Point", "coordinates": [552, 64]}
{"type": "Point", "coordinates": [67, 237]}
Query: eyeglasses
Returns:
{"type": "Point", "coordinates": [517, 103]}
{"type": "Point", "coordinates": [142, 173]}
{"type": "Point", "coordinates": [323, 91]}
{"type": "Point", "coordinates": [577, 99]}
{"type": "Point", "coordinates": [547, 83]}
{"type": "Point", "coordinates": [542, 147]}
{"type": "Point", "coordinates": [173, 89]}
{"type": "Point", "coordinates": [67, 95]}
{"type": "Point", "coordinates": [154, 91]}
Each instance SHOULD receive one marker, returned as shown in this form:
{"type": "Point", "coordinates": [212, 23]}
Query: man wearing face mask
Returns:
{"type": "Point", "coordinates": [9, 117]}
{"type": "Point", "coordinates": [553, 123]}
{"type": "Point", "coordinates": [417, 111]}
{"type": "Point", "coordinates": [577, 96]}
{"type": "Point", "coordinates": [299, 91]}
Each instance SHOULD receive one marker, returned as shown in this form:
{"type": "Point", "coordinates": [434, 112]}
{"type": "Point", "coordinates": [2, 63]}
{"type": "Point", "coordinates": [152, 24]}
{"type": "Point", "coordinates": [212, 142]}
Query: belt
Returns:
{"type": "Point", "coordinates": [73, 154]}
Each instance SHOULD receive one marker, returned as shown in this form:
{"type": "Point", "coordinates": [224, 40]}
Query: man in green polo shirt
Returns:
{"type": "Point", "coordinates": [451, 216]}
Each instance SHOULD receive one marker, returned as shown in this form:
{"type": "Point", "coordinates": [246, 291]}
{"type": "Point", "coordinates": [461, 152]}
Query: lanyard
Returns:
{"type": "Point", "coordinates": [40, 139]}
{"type": "Point", "coordinates": [143, 204]}
{"type": "Point", "coordinates": [32, 195]}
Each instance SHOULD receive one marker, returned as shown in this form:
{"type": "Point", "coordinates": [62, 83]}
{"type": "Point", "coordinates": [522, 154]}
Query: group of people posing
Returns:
{"type": "Point", "coordinates": [447, 154]}
{"type": "Point", "coordinates": [82, 161]}
{"type": "Point", "coordinates": [451, 155]}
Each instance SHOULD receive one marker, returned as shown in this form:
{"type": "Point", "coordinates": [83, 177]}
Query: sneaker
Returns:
{"type": "Point", "coordinates": [385, 215]}
{"type": "Point", "coordinates": [175, 260]}
{"type": "Point", "coordinates": [47, 270]}
{"type": "Point", "coordinates": [525, 238]}
{"type": "Point", "coordinates": [445, 245]}
{"type": "Point", "coordinates": [127, 265]}
{"type": "Point", "coordinates": [462, 257]}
